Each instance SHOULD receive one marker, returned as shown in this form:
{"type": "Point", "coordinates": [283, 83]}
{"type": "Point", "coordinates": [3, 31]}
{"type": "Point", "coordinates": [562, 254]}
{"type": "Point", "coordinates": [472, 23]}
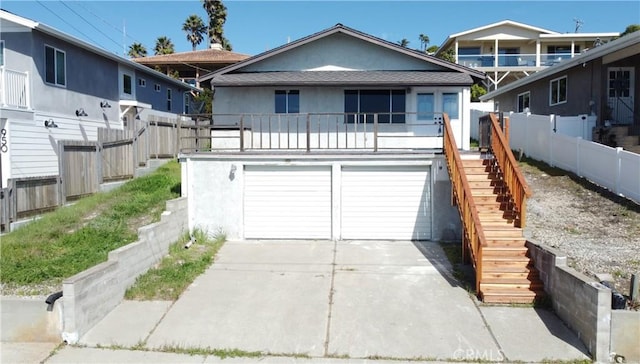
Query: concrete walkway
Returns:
{"type": "Point", "coordinates": [320, 301]}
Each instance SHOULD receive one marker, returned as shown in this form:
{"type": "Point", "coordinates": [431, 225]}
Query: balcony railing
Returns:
{"type": "Point", "coordinates": [14, 89]}
{"type": "Point", "coordinates": [318, 132]}
{"type": "Point", "coordinates": [512, 60]}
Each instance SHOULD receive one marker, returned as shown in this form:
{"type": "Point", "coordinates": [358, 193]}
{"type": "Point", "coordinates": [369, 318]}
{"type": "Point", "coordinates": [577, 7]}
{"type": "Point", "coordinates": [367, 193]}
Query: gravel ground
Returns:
{"type": "Point", "coordinates": [599, 231]}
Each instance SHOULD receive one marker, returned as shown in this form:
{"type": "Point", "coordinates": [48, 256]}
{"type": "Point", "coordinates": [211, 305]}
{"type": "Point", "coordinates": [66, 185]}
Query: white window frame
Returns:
{"type": "Point", "coordinates": [566, 90]}
{"type": "Point", "coordinates": [169, 98]}
{"type": "Point", "coordinates": [1, 52]}
{"type": "Point", "coordinates": [527, 93]}
{"type": "Point", "coordinates": [142, 82]}
{"type": "Point", "coordinates": [122, 72]}
{"type": "Point", "coordinates": [157, 87]}
{"type": "Point", "coordinates": [55, 66]}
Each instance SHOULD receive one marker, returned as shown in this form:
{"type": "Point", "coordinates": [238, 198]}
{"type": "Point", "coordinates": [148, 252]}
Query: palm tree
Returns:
{"type": "Point", "coordinates": [137, 50]}
{"type": "Point", "coordinates": [403, 43]}
{"type": "Point", "coordinates": [424, 41]}
{"type": "Point", "coordinates": [217, 17]}
{"type": "Point", "coordinates": [163, 46]}
{"type": "Point", "coordinates": [195, 28]}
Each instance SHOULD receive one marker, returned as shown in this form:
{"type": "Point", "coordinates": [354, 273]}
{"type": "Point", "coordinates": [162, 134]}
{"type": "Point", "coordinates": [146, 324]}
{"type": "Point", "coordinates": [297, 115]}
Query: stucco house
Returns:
{"type": "Point", "coordinates": [56, 87]}
{"type": "Point", "coordinates": [602, 81]}
{"type": "Point", "coordinates": [320, 118]}
{"type": "Point", "coordinates": [509, 50]}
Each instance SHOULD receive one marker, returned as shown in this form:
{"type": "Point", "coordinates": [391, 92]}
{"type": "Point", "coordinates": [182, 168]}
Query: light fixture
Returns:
{"type": "Point", "coordinates": [105, 104]}
{"type": "Point", "coordinates": [232, 172]}
{"type": "Point", "coordinates": [80, 112]}
{"type": "Point", "coordinates": [50, 124]}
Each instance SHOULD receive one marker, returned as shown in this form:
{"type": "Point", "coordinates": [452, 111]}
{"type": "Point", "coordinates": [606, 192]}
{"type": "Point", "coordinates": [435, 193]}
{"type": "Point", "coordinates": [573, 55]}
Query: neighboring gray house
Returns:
{"type": "Point", "coordinates": [603, 81]}
{"type": "Point", "coordinates": [56, 87]}
{"type": "Point", "coordinates": [341, 139]}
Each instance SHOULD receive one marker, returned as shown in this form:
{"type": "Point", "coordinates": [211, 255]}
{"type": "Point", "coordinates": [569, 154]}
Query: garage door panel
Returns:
{"type": "Point", "coordinates": [287, 202]}
{"type": "Point", "coordinates": [386, 203]}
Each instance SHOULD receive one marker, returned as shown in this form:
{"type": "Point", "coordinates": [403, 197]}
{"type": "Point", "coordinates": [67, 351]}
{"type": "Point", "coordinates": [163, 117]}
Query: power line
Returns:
{"type": "Point", "coordinates": [91, 24]}
{"type": "Point", "coordinates": [66, 22]}
{"type": "Point", "coordinates": [107, 23]}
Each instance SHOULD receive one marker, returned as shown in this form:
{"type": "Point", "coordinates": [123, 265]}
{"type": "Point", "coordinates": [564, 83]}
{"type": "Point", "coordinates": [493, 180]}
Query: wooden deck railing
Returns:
{"type": "Point", "coordinates": [473, 232]}
{"type": "Point", "coordinates": [513, 178]}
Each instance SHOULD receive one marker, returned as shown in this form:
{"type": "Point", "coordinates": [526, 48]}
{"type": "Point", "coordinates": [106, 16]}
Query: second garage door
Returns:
{"type": "Point", "coordinates": [386, 202]}
{"type": "Point", "coordinates": [287, 202]}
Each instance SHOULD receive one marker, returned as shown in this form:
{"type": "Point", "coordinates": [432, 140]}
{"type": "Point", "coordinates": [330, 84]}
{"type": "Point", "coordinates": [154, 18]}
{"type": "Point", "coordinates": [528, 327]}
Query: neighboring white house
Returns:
{"type": "Point", "coordinates": [55, 87]}
{"type": "Point", "coordinates": [508, 50]}
{"type": "Point", "coordinates": [341, 139]}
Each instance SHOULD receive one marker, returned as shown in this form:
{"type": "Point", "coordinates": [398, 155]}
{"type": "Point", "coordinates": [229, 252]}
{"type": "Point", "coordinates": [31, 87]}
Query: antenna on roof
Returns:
{"type": "Point", "coordinates": [579, 24]}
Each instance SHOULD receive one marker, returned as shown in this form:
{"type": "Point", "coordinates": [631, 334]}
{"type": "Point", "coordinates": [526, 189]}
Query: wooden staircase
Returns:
{"type": "Point", "coordinates": [491, 193]}
{"type": "Point", "coordinates": [508, 275]}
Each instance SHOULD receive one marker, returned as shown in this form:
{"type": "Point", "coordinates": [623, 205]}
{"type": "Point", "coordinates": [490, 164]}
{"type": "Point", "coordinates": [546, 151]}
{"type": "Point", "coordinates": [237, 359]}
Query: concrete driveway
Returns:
{"type": "Point", "coordinates": [322, 299]}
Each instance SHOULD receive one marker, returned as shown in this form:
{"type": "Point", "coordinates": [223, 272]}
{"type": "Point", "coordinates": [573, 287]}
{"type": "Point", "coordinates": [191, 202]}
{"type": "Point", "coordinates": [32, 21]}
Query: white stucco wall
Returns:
{"type": "Point", "coordinates": [215, 194]}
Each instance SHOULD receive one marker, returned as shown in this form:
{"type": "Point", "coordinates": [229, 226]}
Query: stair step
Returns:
{"type": "Point", "coordinates": [492, 277]}
{"type": "Point", "coordinates": [487, 183]}
{"type": "Point", "coordinates": [492, 295]}
{"type": "Point", "coordinates": [514, 286]}
{"type": "Point", "coordinates": [476, 162]}
{"type": "Point", "coordinates": [492, 232]}
{"type": "Point", "coordinates": [506, 242]}
{"type": "Point", "coordinates": [506, 251]}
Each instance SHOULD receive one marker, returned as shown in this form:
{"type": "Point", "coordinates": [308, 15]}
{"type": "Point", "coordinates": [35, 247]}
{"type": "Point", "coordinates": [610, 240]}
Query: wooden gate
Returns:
{"type": "Point", "coordinates": [79, 168]}
{"type": "Point", "coordinates": [118, 156]}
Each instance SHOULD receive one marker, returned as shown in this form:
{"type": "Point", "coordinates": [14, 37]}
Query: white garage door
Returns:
{"type": "Point", "coordinates": [283, 202]}
{"type": "Point", "coordinates": [386, 203]}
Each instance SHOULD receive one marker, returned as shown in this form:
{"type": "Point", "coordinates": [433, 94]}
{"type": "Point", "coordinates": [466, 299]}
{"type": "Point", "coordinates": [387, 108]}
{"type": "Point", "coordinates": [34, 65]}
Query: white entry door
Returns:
{"type": "Point", "coordinates": [386, 202]}
{"type": "Point", "coordinates": [620, 91]}
{"type": "Point", "coordinates": [287, 202]}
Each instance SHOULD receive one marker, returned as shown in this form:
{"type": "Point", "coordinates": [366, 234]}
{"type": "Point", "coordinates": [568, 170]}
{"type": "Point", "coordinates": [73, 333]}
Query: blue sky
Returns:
{"type": "Point", "coordinates": [256, 26]}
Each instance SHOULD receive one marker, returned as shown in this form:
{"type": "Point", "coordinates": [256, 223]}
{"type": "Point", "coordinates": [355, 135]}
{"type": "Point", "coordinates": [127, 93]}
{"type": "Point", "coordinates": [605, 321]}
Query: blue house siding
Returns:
{"type": "Point", "coordinates": [158, 99]}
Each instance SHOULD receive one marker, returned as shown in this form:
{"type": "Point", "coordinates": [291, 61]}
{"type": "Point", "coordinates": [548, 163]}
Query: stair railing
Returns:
{"type": "Point", "coordinates": [512, 175]}
{"type": "Point", "coordinates": [461, 190]}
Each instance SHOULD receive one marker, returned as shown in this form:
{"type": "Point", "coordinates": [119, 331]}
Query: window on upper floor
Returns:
{"type": "Point", "coordinates": [55, 65]}
{"type": "Point", "coordinates": [169, 92]}
{"type": "Point", "coordinates": [126, 84]}
{"type": "Point", "coordinates": [1, 52]}
{"type": "Point", "coordinates": [368, 103]}
{"type": "Point", "coordinates": [558, 91]}
{"type": "Point", "coordinates": [156, 87]}
{"type": "Point", "coordinates": [523, 101]}
{"type": "Point", "coordinates": [142, 82]}
{"type": "Point", "coordinates": [287, 102]}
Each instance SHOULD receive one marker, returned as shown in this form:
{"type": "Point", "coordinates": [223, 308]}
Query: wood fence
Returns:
{"type": "Point", "coordinates": [83, 166]}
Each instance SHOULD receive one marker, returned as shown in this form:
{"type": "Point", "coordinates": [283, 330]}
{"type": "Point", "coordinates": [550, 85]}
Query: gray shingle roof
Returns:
{"type": "Point", "coordinates": [343, 78]}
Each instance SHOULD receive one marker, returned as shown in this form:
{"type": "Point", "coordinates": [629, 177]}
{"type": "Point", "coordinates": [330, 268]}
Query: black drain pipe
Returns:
{"type": "Point", "coordinates": [52, 299]}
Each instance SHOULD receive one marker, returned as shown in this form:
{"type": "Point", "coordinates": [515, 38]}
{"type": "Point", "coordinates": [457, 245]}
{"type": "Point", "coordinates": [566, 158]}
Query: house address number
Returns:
{"type": "Point", "coordinates": [3, 141]}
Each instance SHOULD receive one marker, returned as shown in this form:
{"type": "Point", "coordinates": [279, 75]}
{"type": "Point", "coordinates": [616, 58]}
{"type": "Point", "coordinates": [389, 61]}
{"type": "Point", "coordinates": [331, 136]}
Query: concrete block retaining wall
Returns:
{"type": "Point", "coordinates": [585, 306]}
{"type": "Point", "coordinates": [90, 295]}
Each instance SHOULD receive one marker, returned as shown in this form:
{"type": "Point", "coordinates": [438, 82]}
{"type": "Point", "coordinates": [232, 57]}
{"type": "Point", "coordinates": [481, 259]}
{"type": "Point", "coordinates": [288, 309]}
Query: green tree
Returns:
{"type": "Point", "coordinates": [163, 46]}
{"type": "Point", "coordinates": [424, 41]}
{"type": "Point", "coordinates": [432, 49]}
{"type": "Point", "coordinates": [404, 42]}
{"type": "Point", "coordinates": [137, 50]}
{"type": "Point", "coordinates": [195, 29]}
{"type": "Point", "coordinates": [477, 90]}
{"type": "Point", "coordinates": [217, 13]}
{"type": "Point", "coordinates": [630, 29]}
{"type": "Point", "coordinates": [448, 55]}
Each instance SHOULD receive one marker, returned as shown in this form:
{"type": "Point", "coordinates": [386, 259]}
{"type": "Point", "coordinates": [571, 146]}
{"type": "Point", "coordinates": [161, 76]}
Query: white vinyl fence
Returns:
{"type": "Point", "coordinates": [541, 137]}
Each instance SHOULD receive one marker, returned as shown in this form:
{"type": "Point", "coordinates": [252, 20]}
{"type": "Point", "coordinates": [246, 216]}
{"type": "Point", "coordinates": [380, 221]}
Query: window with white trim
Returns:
{"type": "Point", "coordinates": [55, 66]}
{"type": "Point", "coordinates": [558, 91]}
{"type": "Point", "coordinates": [156, 87]}
{"type": "Point", "coordinates": [389, 105]}
{"type": "Point", "coordinates": [169, 99]}
{"type": "Point", "coordinates": [142, 82]}
{"type": "Point", "coordinates": [1, 52]}
{"type": "Point", "coordinates": [524, 101]}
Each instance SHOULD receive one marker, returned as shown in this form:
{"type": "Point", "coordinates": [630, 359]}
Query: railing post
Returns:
{"type": "Point", "coordinates": [242, 133]}
{"type": "Point", "coordinates": [308, 133]}
{"type": "Point", "coordinates": [375, 132]}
